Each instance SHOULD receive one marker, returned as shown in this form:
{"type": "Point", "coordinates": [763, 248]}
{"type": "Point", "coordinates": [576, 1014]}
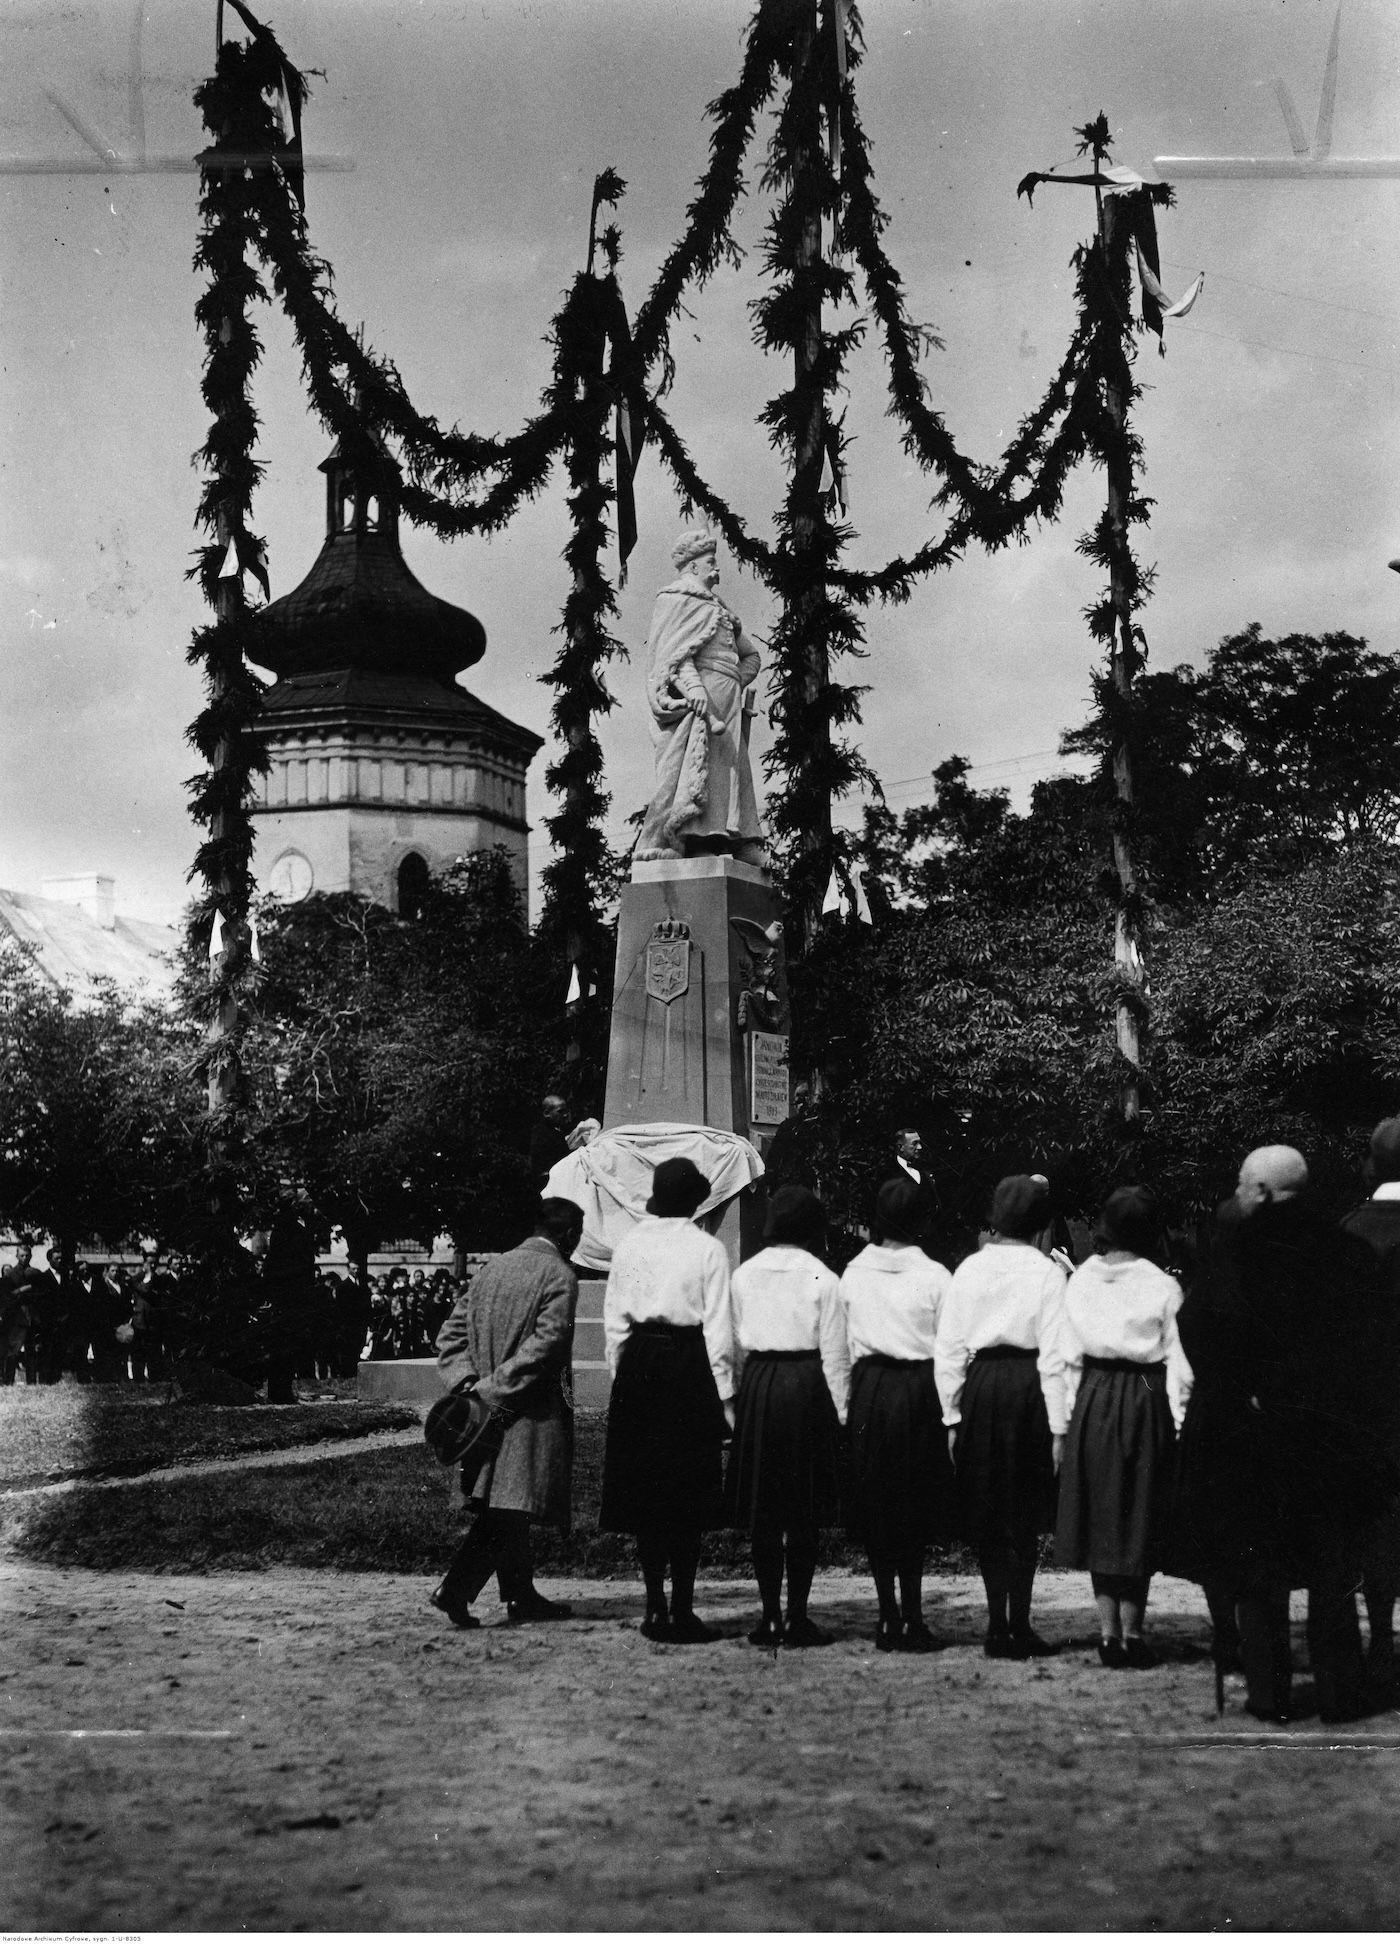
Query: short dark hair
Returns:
{"type": "Point", "coordinates": [900, 1132]}
{"type": "Point", "coordinates": [560, 1220]}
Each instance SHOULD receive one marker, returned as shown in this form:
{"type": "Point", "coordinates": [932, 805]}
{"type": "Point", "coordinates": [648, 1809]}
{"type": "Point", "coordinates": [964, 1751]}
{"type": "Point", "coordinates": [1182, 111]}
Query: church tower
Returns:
{"type": "Point", "coordinates": [383, 770]}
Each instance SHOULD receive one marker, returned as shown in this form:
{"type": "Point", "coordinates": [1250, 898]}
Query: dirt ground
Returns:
{"type": "Point", "coordinates": [301, 1750]}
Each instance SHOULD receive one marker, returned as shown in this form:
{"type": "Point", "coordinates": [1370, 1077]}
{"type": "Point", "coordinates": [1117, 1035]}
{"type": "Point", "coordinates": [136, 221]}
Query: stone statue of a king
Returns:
{"type": "Point", "coordinates": [700, 665]}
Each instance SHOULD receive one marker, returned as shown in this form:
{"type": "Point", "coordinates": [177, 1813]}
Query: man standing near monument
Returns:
{"type": "Point", "coordinates": [700, 662]}
{"type": "Point", "coordinates": [510, 1339]}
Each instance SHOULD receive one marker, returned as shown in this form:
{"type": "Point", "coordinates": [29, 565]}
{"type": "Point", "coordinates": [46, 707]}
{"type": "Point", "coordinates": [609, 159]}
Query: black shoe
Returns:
{"type": "Point", "coordinates": [687, 1630]}
{"type": "Point", "coordinates": [1112, 1654]}
{"type": "Point", "coordinates": [916, 1639]}
{"type": "Point", "coordinates": [656, 1626]}
{"type": "Point", "coordinates": [1026, 1644]}
{"type": "Point", "coordinates": [460, 1616]}
{"type": "Point", "coordinates": [1137, 1654]}
{"type": "Point", "coordinates": [887, 1636]}
{"type": "Point", "coordinates": [536, 1607]}
{"type": "Point", "coordinates": [803, 1632]}
{"type": "Point", "coordinates": [998, 1645]}
{"type": "Point", "coordinates": [768, 1633]}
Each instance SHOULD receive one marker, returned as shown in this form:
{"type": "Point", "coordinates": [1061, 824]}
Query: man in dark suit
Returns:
{"type": "Point", "coordinates": [1285, 1457]}
{"type": "Point", "coordinates": [28, 1303]}
{"type": "Point", "coordinates": [909, 1162]}
{"type": "Point", "coordinates": [1377, 1223]}
{"type": "Point", "coordinates": [548, 1137]}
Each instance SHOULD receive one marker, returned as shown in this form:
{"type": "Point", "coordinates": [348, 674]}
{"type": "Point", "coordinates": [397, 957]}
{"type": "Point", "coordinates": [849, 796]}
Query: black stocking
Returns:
{"type": "Point", "coordinates": [992, 1563]}
{"type": "Point", "coordinates": [767, 1546]}
{"type": "Point", "coordinates": [882, 1568]}
{"type": "Point", "coordinates": [685, 1562]}
{"type": "Point", "coordinates": [801, 1567]}
{"type": "Point", "coordinates": [911, 1584]}
{"type": "Point", "coordinates": [652, 1550]}
{"type": "Point", "coordinates": [1020, 1581]}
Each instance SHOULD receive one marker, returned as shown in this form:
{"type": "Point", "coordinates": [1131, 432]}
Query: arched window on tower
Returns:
{"type": "Point", "coordinates": [347, 509]}
{"type": "Point", "coordinates": [372, 513]}
{"type": "Point", "coordinates": [413, 885]}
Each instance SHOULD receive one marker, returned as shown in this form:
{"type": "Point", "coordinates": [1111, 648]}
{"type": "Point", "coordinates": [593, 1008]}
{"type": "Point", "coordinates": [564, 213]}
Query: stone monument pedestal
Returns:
{"type": "Point", "coordinates": [700, 1010]}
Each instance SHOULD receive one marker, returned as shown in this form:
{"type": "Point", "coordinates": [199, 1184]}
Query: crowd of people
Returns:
{"type": "Point", "coordinates": [113, 1323]}
{"type": "Point", "coordinates": [407, 1310]}
{"type": "Point", "coordinates": [1228, 1412]}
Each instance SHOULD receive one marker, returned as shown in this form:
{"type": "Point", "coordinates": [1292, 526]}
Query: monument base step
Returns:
{"type": "Point", "coordinates": [416, 1380]}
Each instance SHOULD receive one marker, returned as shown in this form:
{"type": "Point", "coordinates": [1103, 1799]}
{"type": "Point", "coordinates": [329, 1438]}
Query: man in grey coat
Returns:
{"type": "Point", "coordinates": [510, 1338]}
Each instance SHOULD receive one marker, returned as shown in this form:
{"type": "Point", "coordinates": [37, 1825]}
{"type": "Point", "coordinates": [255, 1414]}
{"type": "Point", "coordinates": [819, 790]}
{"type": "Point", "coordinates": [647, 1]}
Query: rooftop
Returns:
{"type": "Point", "coordinates": [75, 946]}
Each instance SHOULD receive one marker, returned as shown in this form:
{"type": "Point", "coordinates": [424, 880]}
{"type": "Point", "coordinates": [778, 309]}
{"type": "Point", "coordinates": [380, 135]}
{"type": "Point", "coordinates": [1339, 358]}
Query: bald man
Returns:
{"type": "Point", "coordinates": [1283, 1465]}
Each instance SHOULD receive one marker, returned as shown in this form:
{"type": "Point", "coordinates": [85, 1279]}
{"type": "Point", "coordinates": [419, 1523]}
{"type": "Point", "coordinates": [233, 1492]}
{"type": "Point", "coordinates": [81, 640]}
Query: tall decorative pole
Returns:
{"type": "Point", "coordinates": [813, 860]}
{"type": "Point", "coordinates": [590, 320]}
{"type": "Point", "coordinates": [1123, 663]}
{"type": "Point", "coordinates": [1106, 392]}
{"type": "Point", "coordinates": [225, 732]}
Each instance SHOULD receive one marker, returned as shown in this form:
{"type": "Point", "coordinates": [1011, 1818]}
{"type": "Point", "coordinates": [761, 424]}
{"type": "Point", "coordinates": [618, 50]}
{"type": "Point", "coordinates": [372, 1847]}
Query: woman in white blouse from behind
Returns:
{"type": "Point", "coordinates": [1126, 1384]}
{"type": "Point", "coordinates": [1001, 1379]}
{"type": "Point", "coordinates": [669, 1337]}
{"type": "Point", "coordinates": [790, 1341]}
{"type": "Point", "coordinates": [900, 1475]}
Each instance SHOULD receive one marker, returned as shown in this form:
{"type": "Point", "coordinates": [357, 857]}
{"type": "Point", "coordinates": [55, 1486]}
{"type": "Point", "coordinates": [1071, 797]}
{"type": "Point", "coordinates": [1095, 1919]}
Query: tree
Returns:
{"type": "Point", "coordinates": [1276, 755]}
{"type": "Point", "coordinates": [394, 1064]}
{"type": "Point", "coordinates": [98, 1108]}
{"type": "Point", "coordinates": [975, 1006]}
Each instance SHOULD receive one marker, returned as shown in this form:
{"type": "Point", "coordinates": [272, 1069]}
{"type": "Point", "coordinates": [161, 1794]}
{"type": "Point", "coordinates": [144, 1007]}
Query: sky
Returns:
{"type": "Point", "coordinates": [475, 132]}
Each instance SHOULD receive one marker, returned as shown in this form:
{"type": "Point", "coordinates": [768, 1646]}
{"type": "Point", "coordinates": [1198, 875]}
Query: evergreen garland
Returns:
{"type": "Point", "coordinates": [454, 482]}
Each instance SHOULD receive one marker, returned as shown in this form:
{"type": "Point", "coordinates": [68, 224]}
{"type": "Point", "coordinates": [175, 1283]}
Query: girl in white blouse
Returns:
{"type": "Point", "coordinates": [790, 1344]}
{"type": "Point", "coordinates": [1000, 1366]}
{"type": "Point", "coordinates": [1126, 1382]}
{"type": "Point", "coordinates": [900, 1496]}
{"type": "Point", "coordinates": [670, 1346]}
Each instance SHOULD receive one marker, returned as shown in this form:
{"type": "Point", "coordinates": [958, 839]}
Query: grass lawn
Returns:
{"type": "Point", "coordinates": [385, 1511]}
{"type": "Point", "coordinates": [56, 1431]}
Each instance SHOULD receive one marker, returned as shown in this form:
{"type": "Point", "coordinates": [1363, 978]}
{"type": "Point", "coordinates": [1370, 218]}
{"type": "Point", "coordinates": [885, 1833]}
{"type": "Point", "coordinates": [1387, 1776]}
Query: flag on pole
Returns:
{"type": "Point", "coordinates": [862, 902]}
{"type": "Point", "coordinates": [629, 428]}
{"type": "Point", "coordinates": [216, 937]}
{"type": "Point", "coordinates": [575, 989]}
{"type": "Point", "coordinates": [832, 900]}
{"type": "Point", "coordinates": [833, 479]}
{"type": "Point", "coordinates": [231, 569]}
{"type": "Point", "coordinates": [1159, 296]}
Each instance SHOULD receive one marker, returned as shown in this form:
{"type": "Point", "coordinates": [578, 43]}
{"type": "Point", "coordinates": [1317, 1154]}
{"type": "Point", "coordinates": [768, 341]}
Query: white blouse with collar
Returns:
{"type": "Point", "coordinates": [786, 1299]}
{"type": "Point", "coordinates": [893, 1298]}
{"type": "Point", "coordinates": [1008, 1293]}
{"type": "Point", "coordinates": [668, 1270]}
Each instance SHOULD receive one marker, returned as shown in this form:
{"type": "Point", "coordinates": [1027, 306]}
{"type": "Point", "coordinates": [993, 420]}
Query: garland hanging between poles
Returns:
{"type": "Point", "coordinates": [455, 482]}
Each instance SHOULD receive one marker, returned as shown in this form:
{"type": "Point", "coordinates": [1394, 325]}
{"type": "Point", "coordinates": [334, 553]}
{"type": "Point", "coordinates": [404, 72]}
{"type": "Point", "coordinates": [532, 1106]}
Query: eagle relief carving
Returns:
{"type": "Point", "coordinates": [762, 1006]}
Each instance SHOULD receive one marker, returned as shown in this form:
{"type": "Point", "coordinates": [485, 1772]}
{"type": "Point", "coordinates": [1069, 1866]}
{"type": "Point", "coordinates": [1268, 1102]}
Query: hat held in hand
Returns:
{"type": "Point", "coordinates": [461, 1430]}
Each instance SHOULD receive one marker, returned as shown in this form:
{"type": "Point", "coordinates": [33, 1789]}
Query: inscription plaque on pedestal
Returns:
{"type": "Point", "coordinates": [768, 1080]}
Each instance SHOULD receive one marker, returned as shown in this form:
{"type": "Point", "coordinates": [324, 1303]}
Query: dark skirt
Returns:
{"type": "Point", "coordinates": [900, 1479]}
{"type": "Point", "coordinates": [1117, 1477]}
{"type": "Point", "coordinates": [782, 1463]}
{"type": "Point", "coordinates": [662, 1464]}
{"type": "Point", "coordinates": [1006, 1471]}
